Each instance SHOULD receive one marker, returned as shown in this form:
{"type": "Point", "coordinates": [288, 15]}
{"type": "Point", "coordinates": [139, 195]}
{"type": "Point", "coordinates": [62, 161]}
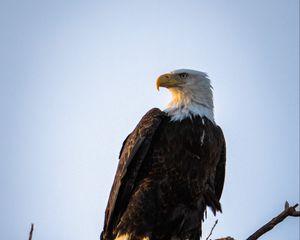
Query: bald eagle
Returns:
{"type": "Point", "coordinates": [171, 167]}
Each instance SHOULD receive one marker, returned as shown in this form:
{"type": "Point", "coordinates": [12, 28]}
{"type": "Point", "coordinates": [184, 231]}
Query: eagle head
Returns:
{"type": "Point", "coordinates": [191, 94]}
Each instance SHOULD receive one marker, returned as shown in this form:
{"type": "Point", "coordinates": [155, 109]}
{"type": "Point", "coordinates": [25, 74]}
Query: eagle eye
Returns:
{"type": "Point", "coordinates": [183, 75]}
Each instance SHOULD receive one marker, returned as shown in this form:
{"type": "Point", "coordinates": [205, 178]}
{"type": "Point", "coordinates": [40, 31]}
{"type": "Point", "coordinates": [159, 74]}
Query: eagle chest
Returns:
{"type": "Point", "coordinates": [182, 158]}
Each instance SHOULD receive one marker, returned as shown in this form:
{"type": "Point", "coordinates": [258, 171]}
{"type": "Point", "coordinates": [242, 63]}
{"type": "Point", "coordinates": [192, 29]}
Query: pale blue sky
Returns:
{"type": "Point", "coordinates": [76, 77]}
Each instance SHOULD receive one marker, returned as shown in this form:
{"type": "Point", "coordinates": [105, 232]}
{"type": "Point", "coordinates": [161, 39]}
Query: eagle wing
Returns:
{"type": "Point", "coordinates": [220, 170]}
{"type": "Point", "coordinates": [132, 155]}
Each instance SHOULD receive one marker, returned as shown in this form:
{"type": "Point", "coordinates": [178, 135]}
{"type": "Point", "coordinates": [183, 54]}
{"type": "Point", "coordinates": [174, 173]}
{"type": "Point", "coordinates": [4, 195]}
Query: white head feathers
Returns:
{"type": "Point", "coordinates": [192, 96]}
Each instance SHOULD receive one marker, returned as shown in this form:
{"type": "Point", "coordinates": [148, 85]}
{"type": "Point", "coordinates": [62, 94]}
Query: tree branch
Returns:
{"type": "Point", "coordinates": [31, 231]}
{"type": "Point", "coordinates": [288, 211]}
{"type": "Point", "coordinates": [212, 229]}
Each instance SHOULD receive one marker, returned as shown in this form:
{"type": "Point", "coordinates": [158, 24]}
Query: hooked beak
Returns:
{"type": "Point", "coordinates": [166, 80]}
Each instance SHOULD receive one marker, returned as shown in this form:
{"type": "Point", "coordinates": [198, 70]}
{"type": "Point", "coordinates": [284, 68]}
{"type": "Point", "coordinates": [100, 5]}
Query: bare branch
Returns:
{"type": "Point", "coordinates": [288, 211]}
{"type": "Point", "coordinates": [212, 229]}
{"type": "Point", "coordinates": [31, 231]}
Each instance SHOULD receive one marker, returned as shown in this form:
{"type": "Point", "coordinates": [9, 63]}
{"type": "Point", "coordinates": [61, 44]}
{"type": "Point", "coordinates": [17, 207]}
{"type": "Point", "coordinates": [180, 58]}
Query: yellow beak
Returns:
{"type": "Point", "coordinates": [166, 80]}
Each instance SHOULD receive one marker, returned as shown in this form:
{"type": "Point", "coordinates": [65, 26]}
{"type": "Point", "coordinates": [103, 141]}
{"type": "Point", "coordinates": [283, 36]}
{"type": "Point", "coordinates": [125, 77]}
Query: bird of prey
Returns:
{"type": "Point", "coordinates": [171, 166]}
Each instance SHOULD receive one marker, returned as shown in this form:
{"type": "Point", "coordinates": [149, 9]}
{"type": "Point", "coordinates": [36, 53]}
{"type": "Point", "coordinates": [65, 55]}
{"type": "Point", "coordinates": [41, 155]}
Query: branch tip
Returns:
{"type": "Point", "coordinates": [31, 231]}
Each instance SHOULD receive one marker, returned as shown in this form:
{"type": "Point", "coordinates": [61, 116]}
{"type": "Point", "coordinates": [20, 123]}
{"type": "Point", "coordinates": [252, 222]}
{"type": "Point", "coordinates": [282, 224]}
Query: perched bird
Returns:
{"type": "Point", "coordinates": [171, 167]}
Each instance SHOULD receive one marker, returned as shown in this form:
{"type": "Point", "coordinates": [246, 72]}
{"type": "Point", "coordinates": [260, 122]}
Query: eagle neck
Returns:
{"type": "Point", "coordinates": [187, 105]}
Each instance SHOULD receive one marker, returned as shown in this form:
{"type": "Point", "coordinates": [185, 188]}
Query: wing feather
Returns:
{"type": "Point", "coordinates": [220, 170]}
{"type": "Point", "coordinates": [132, 155]}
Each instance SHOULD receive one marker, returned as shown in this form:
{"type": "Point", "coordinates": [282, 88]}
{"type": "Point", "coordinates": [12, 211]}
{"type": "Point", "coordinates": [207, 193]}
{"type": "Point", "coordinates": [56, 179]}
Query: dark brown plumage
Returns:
{"type": "Point", "coordinates": [169, 172]}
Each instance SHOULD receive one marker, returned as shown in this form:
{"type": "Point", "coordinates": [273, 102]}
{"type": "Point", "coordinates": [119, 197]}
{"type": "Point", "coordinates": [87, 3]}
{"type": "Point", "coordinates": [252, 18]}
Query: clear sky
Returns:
{"type": "Point", "coordinates": [76, 77]}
